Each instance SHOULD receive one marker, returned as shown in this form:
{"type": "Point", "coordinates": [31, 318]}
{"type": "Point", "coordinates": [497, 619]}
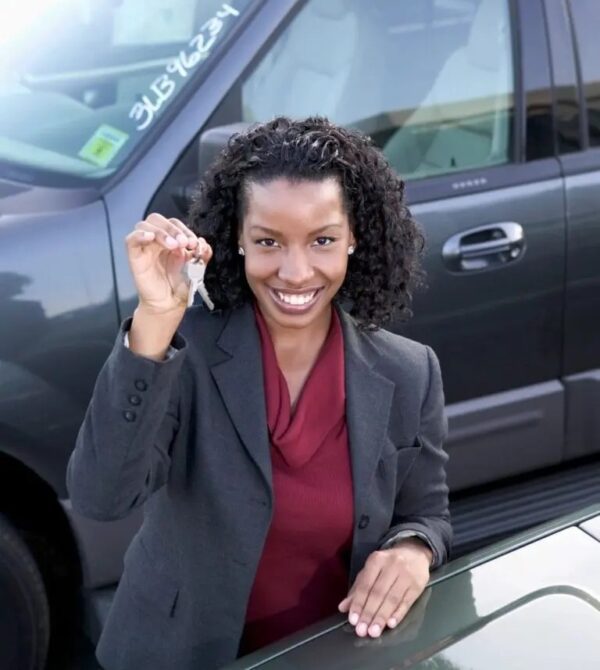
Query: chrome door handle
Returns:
{"type": "Point", "coordinates": [484, 247]}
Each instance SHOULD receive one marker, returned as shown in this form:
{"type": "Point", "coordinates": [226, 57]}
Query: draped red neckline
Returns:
{"type": "Point", "coordinates": [320, 408]}
{"type": "Point", "coordinates": [303, 570]}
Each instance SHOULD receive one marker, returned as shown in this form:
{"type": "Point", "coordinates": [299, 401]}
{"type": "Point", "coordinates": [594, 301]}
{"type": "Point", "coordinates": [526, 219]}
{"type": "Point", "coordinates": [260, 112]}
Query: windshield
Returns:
{"type": "Point", "coordinates": [82, 81]}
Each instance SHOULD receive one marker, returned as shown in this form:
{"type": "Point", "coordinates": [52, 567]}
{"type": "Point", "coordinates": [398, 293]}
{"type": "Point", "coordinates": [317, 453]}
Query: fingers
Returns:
{"type": "Point", "coordinates": [200, 246]}
{"type": "Point", "coordinates": [367, 603]}
{"type": "Point", "coordinates": [344, 606]}
{"type": "Point", "coordinates": [384, 608]}
{"type": "Point", "coordinates": [401, 610]}
{"type": "Point", "coordinates": [173, 227]}
{"type": "Point", "coordinates": [146, 235]}
{"type": "Point", "coordinates": [171, 234]}
{"type": "Point", "coordinates": [357, 598]}
{"type": "Point", "coordinates": [180, 232]}
{"type": "Point", "coordinates": [382, 593]}
{"type": "Point", "coordinates": [203, 250]}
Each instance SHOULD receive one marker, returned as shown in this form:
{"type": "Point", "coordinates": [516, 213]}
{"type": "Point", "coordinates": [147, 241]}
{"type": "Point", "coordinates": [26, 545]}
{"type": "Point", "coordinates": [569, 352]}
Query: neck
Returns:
{"type": "Point", "coordinates": [293, 346]}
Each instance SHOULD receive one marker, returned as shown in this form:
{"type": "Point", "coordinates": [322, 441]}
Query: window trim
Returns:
{"type": "Point", "coordinates": [587, 159]}
{"type": "Point", "coordinates": [536, 76]}
{"type": "Point", "coordinates": [481, 180]}
{"type": "Point", "coordinates": [584, 129]}
{"type": "Point", "coordinates": [562, 52]}
{"type": "Point", "coordinates": [520, 107]}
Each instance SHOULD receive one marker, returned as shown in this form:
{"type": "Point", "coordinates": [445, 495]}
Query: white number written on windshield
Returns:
{"type": "Point", "coordinates": [163, 87]}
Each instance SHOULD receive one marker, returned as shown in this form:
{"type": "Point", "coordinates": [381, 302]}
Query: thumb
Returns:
{"type": "Point", "coordinates": [344, 605]}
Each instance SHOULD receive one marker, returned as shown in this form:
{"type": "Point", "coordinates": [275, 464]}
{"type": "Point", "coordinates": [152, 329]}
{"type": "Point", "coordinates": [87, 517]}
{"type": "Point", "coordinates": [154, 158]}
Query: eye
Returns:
{"type": "Point", "coordinates": [324, 241]}
{"type": "Point", "coordinates": [266, 242]}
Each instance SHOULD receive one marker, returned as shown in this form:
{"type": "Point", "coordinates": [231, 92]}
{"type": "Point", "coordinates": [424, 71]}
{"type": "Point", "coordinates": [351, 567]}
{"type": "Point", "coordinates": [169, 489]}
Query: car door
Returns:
{"type": "Point", "coordinates": [577, 82]}
{"type": "Point", "coordinates": [495, 261]}
{"type": "Point", "coordinates": [462, 107]}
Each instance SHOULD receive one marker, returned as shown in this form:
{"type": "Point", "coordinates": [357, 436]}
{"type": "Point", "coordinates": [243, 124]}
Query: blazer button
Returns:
{"type": "Point", "coordinates": [140, 385]}
{"type": "Point", "coordinates": [129, 415]}
{"type": "Point", "coordinates": [135, 399]}
{"type": "Point", "coordinates": [364, 521]}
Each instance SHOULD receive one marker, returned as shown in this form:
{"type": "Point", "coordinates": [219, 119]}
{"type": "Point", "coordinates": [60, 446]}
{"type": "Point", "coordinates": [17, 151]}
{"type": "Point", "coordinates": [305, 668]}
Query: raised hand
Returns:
{"type": "Point", "coordinates": [157, 250]}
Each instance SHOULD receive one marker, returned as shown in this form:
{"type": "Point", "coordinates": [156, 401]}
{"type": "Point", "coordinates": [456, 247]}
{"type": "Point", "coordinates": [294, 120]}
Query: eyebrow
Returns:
{"type": "Point", "coordinates": [270, 231]}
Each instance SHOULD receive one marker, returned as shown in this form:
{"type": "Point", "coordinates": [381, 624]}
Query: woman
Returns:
{"type": "Point", "coordinates": [289, 453]}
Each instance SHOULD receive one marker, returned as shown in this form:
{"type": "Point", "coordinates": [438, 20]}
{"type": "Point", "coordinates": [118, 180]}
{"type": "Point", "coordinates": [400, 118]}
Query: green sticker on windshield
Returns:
{"type": "Point", "coordinates": [103, 145]}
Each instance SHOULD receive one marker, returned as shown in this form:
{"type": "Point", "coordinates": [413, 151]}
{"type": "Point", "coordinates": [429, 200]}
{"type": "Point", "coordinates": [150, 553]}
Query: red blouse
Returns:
{"type": "Point", "coordinates": [303, 572]}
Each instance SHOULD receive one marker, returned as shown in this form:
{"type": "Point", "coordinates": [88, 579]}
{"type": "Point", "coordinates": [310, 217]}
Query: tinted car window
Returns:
{"type": "Point", "coordinates": [82, 81]}
{"type": "Point", "coordinates": [586, 20]}
{"type": "Point", "coordinates": [430, 80]}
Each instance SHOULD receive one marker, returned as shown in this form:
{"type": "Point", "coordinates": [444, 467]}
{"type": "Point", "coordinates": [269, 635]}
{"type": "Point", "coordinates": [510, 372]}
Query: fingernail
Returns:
{"type": "Point", "coordinates": [361, 629]}
{"type": "Point", "coordinates": [171, 241]}
{"type": "Point", "coordinates": [393, 622]}
{"type": "Point", "coordinates": [375, 630]}
{"type": "Point", "coordinates": [353, 618]}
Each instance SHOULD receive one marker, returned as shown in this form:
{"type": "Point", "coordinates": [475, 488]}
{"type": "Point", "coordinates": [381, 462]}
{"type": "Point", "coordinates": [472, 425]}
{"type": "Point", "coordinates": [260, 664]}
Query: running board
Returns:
{"type": "Point", "coordinates": [486, 516]}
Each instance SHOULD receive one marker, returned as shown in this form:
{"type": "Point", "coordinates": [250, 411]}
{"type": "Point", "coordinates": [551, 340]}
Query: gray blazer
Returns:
{"type": "Point", "coordinates": [188, 437]}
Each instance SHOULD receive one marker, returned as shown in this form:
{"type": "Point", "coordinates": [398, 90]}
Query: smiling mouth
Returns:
{"type": "Point", "coordinates": [295, 300]}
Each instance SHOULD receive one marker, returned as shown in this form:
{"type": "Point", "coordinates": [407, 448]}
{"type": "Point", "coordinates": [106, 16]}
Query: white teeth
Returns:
{"type": "Point", "coordinates": [296, 299]}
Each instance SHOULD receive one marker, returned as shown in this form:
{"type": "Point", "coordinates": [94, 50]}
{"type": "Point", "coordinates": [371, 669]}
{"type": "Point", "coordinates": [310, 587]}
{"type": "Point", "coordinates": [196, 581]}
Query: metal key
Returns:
{"type": "Point", "coordinates": [195, 270]}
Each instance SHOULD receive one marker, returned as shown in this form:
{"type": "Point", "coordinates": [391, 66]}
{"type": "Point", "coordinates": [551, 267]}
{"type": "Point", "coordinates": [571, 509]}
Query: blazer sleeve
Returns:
{"type": "Point", "coordinates": [122, 451]}
{"type": "Point", "coordinates": [422, 502]}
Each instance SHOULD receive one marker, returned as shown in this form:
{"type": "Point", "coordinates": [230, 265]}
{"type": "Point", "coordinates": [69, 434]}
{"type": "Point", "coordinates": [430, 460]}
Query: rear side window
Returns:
{"type": "Point", "coordinates": [430, 80]}
{"type": "Point", "coordinates": [586, 22]}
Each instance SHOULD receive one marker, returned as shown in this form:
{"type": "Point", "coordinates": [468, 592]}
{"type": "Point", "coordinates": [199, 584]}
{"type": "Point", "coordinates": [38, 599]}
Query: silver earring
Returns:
{"type": "Point", "coordinates": [241, 251]}
{"type": "Point", "coordinates": [350, 250]}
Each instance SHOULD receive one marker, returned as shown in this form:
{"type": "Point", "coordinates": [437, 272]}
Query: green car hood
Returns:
{"type": "Point", "coordinates": [532, 601]}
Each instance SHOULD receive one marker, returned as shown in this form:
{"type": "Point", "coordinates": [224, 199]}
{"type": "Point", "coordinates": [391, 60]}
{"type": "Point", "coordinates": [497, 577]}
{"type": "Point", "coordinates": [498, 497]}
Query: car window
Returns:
{"type": "Point", "coordinates": [430, 80]}
{"type": "Point", "coordinates": [586, 19]}
{"type": "Point", "coordinates": [82, 81]}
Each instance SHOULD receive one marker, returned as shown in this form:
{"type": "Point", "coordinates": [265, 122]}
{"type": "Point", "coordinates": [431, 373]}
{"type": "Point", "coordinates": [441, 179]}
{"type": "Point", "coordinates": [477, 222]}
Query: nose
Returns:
{"type": "Point", "coordinates": [295, 269]}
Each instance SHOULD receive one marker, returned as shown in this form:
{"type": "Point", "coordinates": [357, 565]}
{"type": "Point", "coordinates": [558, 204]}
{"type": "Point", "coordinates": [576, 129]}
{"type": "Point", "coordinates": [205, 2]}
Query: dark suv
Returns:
{"type": "Point", "coordinates": [490, 109]}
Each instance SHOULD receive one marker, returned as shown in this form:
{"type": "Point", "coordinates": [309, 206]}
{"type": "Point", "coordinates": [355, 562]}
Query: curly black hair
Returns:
{"type": "Point", "coordinates": [385, 266]}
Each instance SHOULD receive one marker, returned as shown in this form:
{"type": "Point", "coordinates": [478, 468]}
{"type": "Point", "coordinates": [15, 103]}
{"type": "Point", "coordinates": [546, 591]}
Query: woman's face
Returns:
{"type": "Point", "coordinates": [295, 236]}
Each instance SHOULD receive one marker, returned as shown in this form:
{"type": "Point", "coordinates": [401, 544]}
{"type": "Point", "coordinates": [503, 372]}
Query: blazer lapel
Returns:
{"type": "Point", "coordinates": [368, 404]}
{"type": "Point", "coordinates": [239, 376]}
